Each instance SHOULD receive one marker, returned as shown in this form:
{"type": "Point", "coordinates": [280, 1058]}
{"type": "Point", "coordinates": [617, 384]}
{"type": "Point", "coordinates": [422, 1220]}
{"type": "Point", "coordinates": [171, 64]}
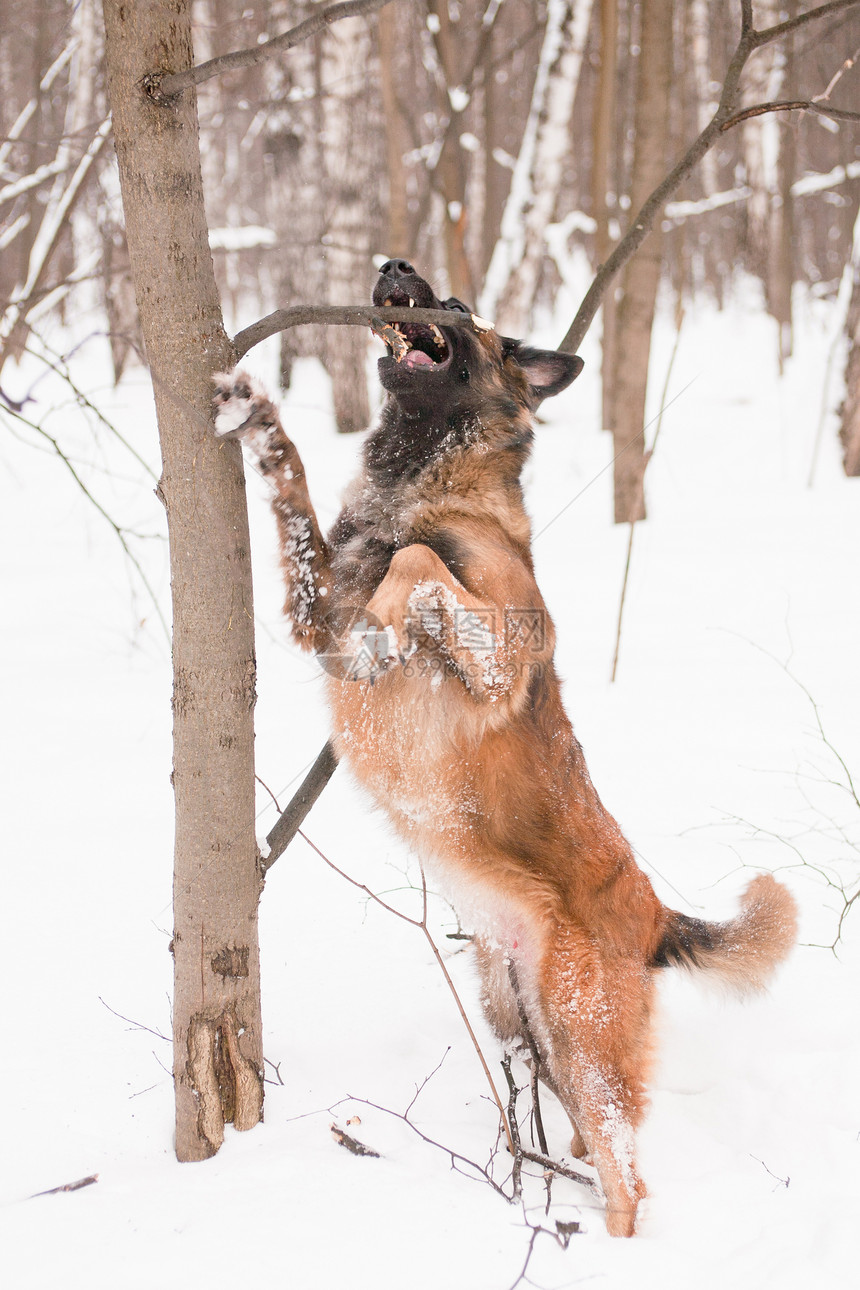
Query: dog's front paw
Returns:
{"type": "Point", "coordinates": [241, 406]}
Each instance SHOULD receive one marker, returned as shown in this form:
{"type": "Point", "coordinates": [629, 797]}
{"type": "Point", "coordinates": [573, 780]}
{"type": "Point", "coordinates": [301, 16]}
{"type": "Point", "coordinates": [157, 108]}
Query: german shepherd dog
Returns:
{"type": "Point", "coordinates": [445, 702]}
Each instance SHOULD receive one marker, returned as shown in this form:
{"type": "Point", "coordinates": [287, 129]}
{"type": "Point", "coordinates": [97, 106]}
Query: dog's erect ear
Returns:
{"type": "Point", "coordinates": [548, 370]}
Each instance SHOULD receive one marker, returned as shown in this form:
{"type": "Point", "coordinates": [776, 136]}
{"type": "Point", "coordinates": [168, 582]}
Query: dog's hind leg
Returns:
{"type": "Point", "coordinates": [598, 1018]}
{"type": "Point", "coordinates": [244, 411]}
{"type": "Point", "coordinates": [518, 1021]}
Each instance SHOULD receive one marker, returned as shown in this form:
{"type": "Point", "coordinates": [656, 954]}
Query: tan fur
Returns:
{"type": "Point", "coordinates": [473, 758]}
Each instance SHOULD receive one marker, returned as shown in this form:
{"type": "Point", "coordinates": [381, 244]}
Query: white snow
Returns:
{"type": "Point", "coordinates": [245, 238]}
{"type": "Point", "coordinates": [705, 748]}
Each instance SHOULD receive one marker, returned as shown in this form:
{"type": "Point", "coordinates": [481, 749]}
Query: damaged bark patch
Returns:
{"type": "Point", "coordinates": [231, 961]}
{"type": "Point", "coordinates": [226, 1084]}
{"type": "Point", "coordinates": [204, 1083]}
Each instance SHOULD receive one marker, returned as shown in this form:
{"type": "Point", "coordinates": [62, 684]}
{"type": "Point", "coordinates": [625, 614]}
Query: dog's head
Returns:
{"type": "Point", "coordinates": [460, 369]}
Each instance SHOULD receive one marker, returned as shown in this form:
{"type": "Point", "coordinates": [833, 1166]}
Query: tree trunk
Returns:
{"type": "Point", "coordinates": [512, 275]}
{"type": "Point", "coordinates": [216, 1010]}
{"type": "Point", "coordinates": [642, 276]}
{"type": "Point", "coordinates": [781, 249]}
{"type": "Point", "coordinates": [546, 171]}
{"type": "Point", "coordinates": [450, 172]}
{"type": "Point", "coordinates": [849, 429]}
{"type": "Point", "coordinates": [345, 111]}
{"type": "Point", "coordinates": [604, 133]}
{"type": "Point", "coordinates": [396, 140]}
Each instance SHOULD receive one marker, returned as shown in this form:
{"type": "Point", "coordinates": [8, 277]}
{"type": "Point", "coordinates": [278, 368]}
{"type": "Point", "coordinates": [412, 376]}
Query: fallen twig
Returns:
{"type": "Point", "coordinates": [352, 1144]}
{"type": "Point", "coordinates": [72, 1186]}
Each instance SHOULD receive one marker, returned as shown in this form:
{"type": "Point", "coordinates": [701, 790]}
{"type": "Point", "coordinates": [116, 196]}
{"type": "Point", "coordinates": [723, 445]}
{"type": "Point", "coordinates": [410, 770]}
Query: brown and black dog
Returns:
{"type": "Point", "coordinates": [422, 604]}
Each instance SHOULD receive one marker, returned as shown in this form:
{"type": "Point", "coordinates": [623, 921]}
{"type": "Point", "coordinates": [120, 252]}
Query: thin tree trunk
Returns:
{"type": "Point", "coordinates": [495, 180]}
{"type": "Point", "coordinates": [604, 133]}
{"type": "Point", "coordinates": [760, 141]}
{"type": "Point", "coordinates": [780, 268]}
{"type": "Point", "coordinates": [551, 148]}
{"type": "Point", "coordinates": [216, 1010]}
{"type": "Point", "coordinates": [396, 142]}
{"type": "Point", "coordinates": [450, 171]}
{"type": "Point", "coordinates": [345, 109]}
{"type": "Point", "coordinates": [849, 428]}
{"type": "Point", "coordinates": [642, 276]}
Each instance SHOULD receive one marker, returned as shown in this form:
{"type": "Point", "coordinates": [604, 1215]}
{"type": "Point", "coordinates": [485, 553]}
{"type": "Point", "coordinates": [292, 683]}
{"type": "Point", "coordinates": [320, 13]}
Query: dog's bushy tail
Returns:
{"type": "Point", "coordinates": [742, 952]}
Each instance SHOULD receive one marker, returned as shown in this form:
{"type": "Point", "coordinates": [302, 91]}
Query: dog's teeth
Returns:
{"type": "Point", "coordinates": [411, 303]}
{"type": "Point", "coordinates": [386, 302]}
{"type": "Point", "coordinates": [437, 336]}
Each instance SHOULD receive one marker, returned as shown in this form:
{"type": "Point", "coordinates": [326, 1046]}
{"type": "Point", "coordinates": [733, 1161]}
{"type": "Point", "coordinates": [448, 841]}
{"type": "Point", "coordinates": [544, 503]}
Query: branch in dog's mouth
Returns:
{"type": "Point", "coordinates": [413, 344]}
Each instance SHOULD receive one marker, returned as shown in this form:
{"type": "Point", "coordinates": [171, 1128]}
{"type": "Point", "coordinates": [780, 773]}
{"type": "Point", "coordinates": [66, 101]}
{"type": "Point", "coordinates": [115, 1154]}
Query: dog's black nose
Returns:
{"type": "Point", "coordinates": [397, 268]}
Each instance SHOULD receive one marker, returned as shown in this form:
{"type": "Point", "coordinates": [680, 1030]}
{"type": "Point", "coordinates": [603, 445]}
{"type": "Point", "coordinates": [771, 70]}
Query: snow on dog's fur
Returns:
{"type": "Point", "coordinates": [452, 718]}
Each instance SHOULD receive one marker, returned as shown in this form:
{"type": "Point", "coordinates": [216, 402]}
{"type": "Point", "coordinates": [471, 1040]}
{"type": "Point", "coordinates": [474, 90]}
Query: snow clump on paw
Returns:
{"type": "Point", "coordinates": [237, 398]}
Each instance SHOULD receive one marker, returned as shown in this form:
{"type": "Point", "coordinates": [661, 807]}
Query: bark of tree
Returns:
{"type": "Point", "coordinates": [216, 1013]}
{"type": "Point", "coordinates": [642, 275]}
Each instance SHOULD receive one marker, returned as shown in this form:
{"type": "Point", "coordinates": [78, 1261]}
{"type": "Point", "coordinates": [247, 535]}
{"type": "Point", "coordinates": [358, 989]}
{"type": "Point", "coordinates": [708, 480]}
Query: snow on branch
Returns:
{"type": "Point", "coordinates": [816, 182]}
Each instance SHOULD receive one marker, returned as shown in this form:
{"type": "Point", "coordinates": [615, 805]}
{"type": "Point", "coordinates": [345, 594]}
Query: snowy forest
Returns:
{"type": "Point", "coordinates": [669, 188]}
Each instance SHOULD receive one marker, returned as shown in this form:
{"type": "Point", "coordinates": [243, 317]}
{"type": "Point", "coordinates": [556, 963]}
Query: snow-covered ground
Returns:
{"type": "Point", "coordinates": [705, 748]}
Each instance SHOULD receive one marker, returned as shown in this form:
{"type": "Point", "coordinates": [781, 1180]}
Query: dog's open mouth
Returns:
{"type": "Point", "coordinates": [416, 346]}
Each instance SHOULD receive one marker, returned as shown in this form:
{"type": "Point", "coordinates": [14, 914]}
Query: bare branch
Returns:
{"type": "Point", "coordinates": [137, 1025]}
{"type": "Point", "coordinates": [342, 316]}
{"type": "Point", "coordinates": [795, 105]}
{"type": "Point", "coordinates": [291, 820]}
{"type": "Point", "coordinates": [837, 77]}
{"type": "Point", "coordinates": [792, 24]}
{"type": "Point", "coordinates": [726, 112]}
{"type": "Point", "coordinates": [72, 1186]}
{"type": "Point", "coordinates": [161, 87]}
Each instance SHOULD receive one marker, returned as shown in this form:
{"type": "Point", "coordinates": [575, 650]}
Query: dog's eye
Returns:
{"type": "Point", "coordinates": [453, 303]}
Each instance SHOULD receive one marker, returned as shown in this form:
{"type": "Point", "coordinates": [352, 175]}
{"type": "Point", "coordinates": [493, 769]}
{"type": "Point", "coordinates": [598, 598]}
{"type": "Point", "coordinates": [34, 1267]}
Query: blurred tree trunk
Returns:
{"type": "Point", "coordinates": [346, 125]}
{"type": "Point", "coordinates": [849, 428]}
{"type": "Point", "coordinates": [396, 141]}
{"type": "Point", "coordinates": [780, 264]}
{"type": "Point", "coordinates": [551, 148]}
{"type": "Point", "coordinates": [218, 1055]}
{"type": "Point", "coordinates": [604, 132]}
{"type": "Point", "coordinates": [760, 143]}
{"type": "Point", "coordinates": [295, 196]}
{"type": "Point", "coordinates": [450, 171]}
{"type": "Point", "coordinates": [495, 183]}
{"type": "Point", "coordinates": [642, 275]}
{"type": "Point", "coordinates": [514, 269]}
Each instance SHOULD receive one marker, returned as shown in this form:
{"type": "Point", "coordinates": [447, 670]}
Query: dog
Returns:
{"type": "Point", "coordinates": [423, 606]}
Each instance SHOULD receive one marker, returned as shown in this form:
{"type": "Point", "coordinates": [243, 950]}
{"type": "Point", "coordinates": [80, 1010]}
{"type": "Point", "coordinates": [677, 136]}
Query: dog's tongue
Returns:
{"type": "Point", "coordinates": [417, 358]}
